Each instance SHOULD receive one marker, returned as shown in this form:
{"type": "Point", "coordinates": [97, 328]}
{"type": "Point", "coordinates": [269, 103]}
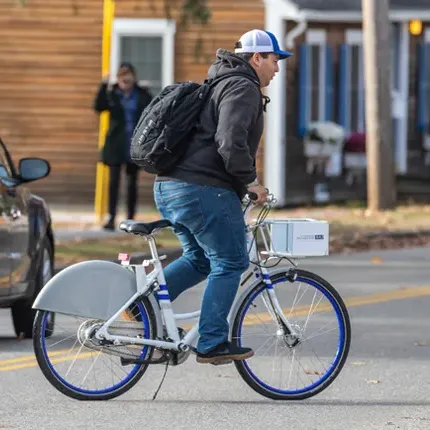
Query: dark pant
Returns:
{"type": "Point", "coordinates": [210, 226]}
{"type": "Point", "coordinates": [131, 171]}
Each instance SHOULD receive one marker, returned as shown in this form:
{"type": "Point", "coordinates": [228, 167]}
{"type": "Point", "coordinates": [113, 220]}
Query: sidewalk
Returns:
{"type": "Point", "coordinates": [72, 220]}
{"type": "Point", "coordinates": [80, 221]}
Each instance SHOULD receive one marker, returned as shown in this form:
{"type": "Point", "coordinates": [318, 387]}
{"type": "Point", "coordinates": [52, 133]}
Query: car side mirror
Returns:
{"type": "Point", "coordinates": [32, 169]}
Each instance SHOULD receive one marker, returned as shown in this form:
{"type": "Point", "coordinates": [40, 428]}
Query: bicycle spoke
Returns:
{"type": "Point", "coordinates": [89, 369]}
{"type": "Point", "coordinates": [296, 363]}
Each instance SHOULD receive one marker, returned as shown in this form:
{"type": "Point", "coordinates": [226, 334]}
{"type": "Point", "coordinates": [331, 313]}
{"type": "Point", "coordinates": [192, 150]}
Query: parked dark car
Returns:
{"type": "Point", "coordinates": [26, 239]}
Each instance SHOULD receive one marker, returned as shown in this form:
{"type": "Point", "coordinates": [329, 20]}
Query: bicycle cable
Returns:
{"type": "Point", "coordinates": [260, 219]}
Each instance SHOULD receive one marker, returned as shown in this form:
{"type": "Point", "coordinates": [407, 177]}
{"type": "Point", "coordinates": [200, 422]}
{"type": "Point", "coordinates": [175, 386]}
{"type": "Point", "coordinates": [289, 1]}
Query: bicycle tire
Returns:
{"type": "Point", "coordinates": [58, 382]}
{"type": "Point", "coordinates": [242, 367]}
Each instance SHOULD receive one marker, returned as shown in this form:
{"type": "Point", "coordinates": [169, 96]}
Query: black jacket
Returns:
{"type": "Point", "coordinates": [222, 151]}
{"type": "Point", "coordinates": [114, 149]}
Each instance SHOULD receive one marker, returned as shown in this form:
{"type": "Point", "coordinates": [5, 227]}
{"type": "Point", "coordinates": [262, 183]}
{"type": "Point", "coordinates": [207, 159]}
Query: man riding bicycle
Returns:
{"type": "Point", "coordinates": [202, 195]}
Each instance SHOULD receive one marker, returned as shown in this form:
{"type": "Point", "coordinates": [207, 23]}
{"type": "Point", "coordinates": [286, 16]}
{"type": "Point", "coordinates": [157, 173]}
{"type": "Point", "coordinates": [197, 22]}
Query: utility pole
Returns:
{"type": "Point", "coordinates": [381, 193]}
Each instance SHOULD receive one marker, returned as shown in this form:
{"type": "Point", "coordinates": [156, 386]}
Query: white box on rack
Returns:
{"type": "Point", "coordinates": [301, 237]}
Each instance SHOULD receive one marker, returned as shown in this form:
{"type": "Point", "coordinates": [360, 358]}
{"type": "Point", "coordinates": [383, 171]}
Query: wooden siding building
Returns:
{"type": "Point", "coordinates": [50, 54]}
{"type": "Point", "coordinates": [51, 68]}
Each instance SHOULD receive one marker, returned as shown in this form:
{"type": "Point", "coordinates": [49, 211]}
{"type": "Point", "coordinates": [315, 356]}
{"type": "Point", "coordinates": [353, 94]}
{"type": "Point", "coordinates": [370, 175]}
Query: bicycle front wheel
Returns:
{"type": "Point", "coordinates": [75, 363]}
{"type": "Point", "coordinates": [284, 367]}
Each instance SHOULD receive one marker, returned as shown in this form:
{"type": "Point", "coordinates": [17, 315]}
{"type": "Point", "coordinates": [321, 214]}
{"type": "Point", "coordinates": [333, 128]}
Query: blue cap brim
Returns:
{"type": "Point", "coordinates": [284, 54]}
{"type": "Point", "coordinates": [276, 48]}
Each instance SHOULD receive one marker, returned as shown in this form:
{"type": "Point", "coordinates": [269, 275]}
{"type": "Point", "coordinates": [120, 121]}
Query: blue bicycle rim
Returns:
{"type": "Point", "coordinates": [115, 387]}
{"type": "Point", "coordinates": [339, 351]}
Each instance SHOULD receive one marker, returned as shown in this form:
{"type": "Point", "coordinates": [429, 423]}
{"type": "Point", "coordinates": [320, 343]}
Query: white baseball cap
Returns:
{"type": "Point", "coordinates": [260, 41]}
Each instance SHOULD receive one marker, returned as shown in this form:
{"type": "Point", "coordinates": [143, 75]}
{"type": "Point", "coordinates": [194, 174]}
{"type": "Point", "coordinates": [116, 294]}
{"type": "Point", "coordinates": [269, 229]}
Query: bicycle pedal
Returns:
{"type": "Point", "coordinates": [221, 362]}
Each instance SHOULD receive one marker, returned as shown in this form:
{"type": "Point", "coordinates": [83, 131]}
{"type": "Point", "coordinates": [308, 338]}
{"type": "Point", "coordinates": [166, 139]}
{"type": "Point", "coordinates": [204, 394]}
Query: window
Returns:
{"type": "Point", "coordinates": [316, 40]}
{"type": "Point", "coordinates": [149, 45]}
{"type": "Point", "coordinates": [423, 107]}
{"type": "Point", "coordinates": [395, 54]}
{"type": "Point", "coordinates": [352, 114]}
{"type": "Point", "coordinates": [145, 53]}
{"type": "Point", "coordinates": [315, 80]}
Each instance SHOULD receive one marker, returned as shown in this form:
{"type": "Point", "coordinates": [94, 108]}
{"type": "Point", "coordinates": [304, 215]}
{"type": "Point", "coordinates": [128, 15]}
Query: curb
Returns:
{"type": "Point", "coordinates": [174, 253]}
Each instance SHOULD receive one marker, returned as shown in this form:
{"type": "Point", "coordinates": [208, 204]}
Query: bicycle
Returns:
{"type": "Point", "coordinates": [125, 319]}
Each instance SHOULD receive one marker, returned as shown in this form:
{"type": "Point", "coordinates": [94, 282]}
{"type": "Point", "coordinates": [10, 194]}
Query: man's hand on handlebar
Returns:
{"type": "Point", "coordinates": [258, 194]}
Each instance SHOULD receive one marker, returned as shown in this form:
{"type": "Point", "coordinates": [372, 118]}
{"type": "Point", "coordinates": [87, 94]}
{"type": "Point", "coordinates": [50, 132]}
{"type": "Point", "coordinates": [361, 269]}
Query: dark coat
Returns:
{"type": "Point", "coordinates": [222, 151]}
{"type": "Point", "coordinates": [114, 149]}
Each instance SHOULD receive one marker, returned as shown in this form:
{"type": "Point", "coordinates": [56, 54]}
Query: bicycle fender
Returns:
{"type": "Point", "coordinates": [91, 289]}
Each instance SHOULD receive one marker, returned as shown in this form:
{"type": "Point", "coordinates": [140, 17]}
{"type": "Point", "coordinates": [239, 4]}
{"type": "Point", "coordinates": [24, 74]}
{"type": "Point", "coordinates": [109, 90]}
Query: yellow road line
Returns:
{"type": "Point", "coordinates": [33, 363]}
{"type": "Point", "coordinates": [31, 357]}
{"type": "Point", "coordinates": [401, 294]}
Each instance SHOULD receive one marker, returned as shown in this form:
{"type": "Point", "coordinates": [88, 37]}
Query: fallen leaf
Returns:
{"type": "Point", "coordinates": [313, 372]}
{"type": "Point", "coordinates": [422, 343]}
{"type": "Point", "coordinates": [376, 260]}
{"type": "Point", "coordinates": [358, 363]}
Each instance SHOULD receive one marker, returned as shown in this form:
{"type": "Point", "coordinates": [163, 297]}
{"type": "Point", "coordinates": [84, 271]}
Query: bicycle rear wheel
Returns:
{"type": "Point", "coordinates": [76, 365]}
{"type": "Point", "coordinates": [281, 368]}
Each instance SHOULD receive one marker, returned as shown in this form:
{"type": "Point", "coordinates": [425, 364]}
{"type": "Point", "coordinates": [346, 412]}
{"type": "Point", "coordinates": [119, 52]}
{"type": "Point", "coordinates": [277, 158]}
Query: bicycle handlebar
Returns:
{"type": "Point", "coordinates": [252, 196]}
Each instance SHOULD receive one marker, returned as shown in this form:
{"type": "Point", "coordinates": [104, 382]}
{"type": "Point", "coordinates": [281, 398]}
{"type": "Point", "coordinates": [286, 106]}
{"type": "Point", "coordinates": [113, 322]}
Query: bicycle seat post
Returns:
{"type": "Point", "coordinates": [153, 247]}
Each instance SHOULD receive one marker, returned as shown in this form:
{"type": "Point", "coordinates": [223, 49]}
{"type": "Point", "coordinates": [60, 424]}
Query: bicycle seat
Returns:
{"type": "Point", "coordinates": [144, 228]}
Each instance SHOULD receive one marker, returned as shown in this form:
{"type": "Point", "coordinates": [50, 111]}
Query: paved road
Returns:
{"type": "Point", "coordinates": [89, 233]}
{"type": "Point", "coordinates": [384, 385]}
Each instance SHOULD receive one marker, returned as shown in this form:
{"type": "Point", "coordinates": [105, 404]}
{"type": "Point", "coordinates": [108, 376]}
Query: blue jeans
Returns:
{"type": "Point", "coordinates": [209, 223]}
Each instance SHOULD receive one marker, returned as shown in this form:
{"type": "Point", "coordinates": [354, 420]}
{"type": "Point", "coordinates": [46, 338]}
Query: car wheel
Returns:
{"type": "Point", "coordinates": [22, 313]}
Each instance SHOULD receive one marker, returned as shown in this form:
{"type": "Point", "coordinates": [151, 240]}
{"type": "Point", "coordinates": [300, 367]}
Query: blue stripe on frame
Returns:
{"type": "Point", "coordinates": [163, 294]}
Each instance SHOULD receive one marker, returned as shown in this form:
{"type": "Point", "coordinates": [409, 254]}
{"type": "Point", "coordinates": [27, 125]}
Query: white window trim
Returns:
{"type": "Point", "coordinates": [355, 38]}
{"type": "Point", "coordinates": [146, 27]}
{"type": "Point", "coordinates": [318, 37]}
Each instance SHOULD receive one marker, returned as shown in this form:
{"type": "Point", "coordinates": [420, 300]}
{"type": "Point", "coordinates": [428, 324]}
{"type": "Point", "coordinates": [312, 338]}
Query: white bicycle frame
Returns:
{"type": "Point", "coordinates": [145, 281]}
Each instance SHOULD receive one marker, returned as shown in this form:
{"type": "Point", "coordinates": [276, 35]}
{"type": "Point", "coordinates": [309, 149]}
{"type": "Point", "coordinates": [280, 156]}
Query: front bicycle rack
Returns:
{"type": "Point", "coordinates": [293, 237]}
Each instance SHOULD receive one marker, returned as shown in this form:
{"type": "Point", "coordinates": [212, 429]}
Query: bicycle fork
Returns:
{"type": "Point", "coordinates": [275, 310]}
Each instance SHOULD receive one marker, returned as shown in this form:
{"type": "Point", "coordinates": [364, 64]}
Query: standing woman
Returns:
{"type": "Point", "coordinates": [125, 101]}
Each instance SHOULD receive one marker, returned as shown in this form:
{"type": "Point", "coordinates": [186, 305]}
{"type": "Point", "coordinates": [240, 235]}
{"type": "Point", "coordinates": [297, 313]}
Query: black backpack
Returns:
{"type": "Point", "coordinates": [160, 137]}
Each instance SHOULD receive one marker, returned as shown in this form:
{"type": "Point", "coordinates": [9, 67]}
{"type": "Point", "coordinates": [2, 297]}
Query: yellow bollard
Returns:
{"type": "Point", "coordinates": [102, 173]}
